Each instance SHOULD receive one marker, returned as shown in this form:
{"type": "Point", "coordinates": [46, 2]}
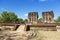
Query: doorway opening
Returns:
{"type": "Point", "coordinates": [28, 28]}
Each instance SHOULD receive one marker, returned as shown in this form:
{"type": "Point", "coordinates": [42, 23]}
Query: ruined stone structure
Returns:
{"type": "Point", "coordinates": [48, 17]}
{"type": "Point", "coordinates": [9, 26]}
{"type": "Point", "coordinates": [44, 26]}
{"type": "Point", "coordinates": [33, 17]}
{"type": "Point", "coordinates": [47, 23]}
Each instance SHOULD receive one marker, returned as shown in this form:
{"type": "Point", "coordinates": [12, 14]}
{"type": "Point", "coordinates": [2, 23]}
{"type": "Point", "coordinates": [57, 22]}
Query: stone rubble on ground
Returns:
{"type": "Point", "coordinates": [13, 35]}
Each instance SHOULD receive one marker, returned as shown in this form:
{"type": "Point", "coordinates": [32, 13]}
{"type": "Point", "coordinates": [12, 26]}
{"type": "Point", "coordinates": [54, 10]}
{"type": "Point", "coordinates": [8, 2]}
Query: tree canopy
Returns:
{"type": "Point", "coordinates": [40, 19]}
{"type": "Point", "coordinates": [1, 20]}
{"type": "Point", "coordinates": [12, 17]}
{"type": "Point", "coordinates": [58, 19]}
{"type": "Point", "coordinates": [26, 20]}
{"type": "Point", "coordinates": [5, 16]}
{"type": "Point", "coordinates": [20, 20]}
{"type": "Point", "coordinates": [9, 17]}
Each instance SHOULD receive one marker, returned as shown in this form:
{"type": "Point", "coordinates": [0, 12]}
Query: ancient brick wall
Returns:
{"type": "Point", "coordinates": [44, 28]}
{"type": "Point", "coordinates": [11, 27]}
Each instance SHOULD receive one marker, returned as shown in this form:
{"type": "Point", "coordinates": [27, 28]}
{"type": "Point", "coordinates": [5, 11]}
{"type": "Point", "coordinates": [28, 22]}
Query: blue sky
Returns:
{"type": "Point", "coordinates": [23, 7]}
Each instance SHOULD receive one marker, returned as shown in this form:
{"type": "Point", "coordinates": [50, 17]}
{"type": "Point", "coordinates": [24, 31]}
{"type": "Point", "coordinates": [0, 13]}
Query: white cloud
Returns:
{"type": "Point", "coordinates": [42, 0]}
{"type": "Point", "coordinates": [26, 14]}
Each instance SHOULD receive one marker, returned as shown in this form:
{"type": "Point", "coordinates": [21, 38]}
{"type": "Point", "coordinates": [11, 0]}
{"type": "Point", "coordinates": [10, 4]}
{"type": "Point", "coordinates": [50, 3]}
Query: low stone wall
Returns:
{"type": "Point", "coordinates": [11, 27]}
{"type": "Point", "coordinates": [44, 28]}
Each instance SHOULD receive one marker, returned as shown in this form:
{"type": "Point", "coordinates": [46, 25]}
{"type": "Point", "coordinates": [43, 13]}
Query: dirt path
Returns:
{"type": "Point", "coordinates": [50, 35]}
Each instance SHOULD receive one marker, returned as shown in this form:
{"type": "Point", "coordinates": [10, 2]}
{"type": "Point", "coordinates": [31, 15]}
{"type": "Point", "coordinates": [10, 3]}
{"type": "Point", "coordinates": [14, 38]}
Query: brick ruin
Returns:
{"type": "Point", "coordinates": [33, 17]}
{"type": "Point", "coordinates": [47, 22]}
{"type": "Point", "coordinates": [9, 26]}
{"type": "Point", "coordinates": [33, 24]}
{"type": "Point", "coordinates": [48, 17]}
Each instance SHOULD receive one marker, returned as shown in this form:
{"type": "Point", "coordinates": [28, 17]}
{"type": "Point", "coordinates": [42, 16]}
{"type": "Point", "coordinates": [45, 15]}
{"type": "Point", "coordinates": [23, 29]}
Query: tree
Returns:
{"type": "Point", "coordinates": [5, 16]}
{"type": "Point", "coordinates": [12, 16]}
{"type": "Point", "coordinates": [9, 16]}
{"type": "Point", "coordinates": [1, 20]}
{"type": "Point", "coordinates": [20, 20]}
{"type": "Point", "coordinates": [26, 20]}
{"type": "Point", "coordinates": [58, 19]}
{"type": "Point", "coordinates": [40, 19]}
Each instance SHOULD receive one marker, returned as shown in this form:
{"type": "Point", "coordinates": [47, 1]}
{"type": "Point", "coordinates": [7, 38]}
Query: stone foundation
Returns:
{"type": "Point", "coordinates": [44, 28]}
{"type": "Point", "coordinates": [7, 27]}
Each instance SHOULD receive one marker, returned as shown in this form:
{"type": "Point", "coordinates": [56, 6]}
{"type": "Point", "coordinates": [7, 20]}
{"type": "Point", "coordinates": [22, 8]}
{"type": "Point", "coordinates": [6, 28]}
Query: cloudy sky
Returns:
{"type": "Point", "coordinates": [23, 7]}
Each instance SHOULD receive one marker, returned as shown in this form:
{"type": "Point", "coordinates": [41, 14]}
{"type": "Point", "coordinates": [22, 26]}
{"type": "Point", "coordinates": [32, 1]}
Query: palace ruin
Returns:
{"type": "Point", "coordinates": [33, 24]}
{"type": "Point", "coordinates": [48, 17]}
{"type": "Point", "coordinates": [33, 17]}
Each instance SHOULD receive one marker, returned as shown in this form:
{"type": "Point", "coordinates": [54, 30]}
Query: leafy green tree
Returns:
{"type": "Point", "coordinates": [20, 20]}
{"type": "Point", "coordinates": [40, 19]}
{"type": "Point", "coordinates": [58, 19]}
{"type": "Point", "coordinates": [8, 16]}
{"type": "Point", "coordinates": [1, 20]}
{"type": "Point", "coordinates": [26, 20]}
{"type": "Point", "coordinates": [5, 16]}
{"type": "Point", "coordinates": [12, 16]}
